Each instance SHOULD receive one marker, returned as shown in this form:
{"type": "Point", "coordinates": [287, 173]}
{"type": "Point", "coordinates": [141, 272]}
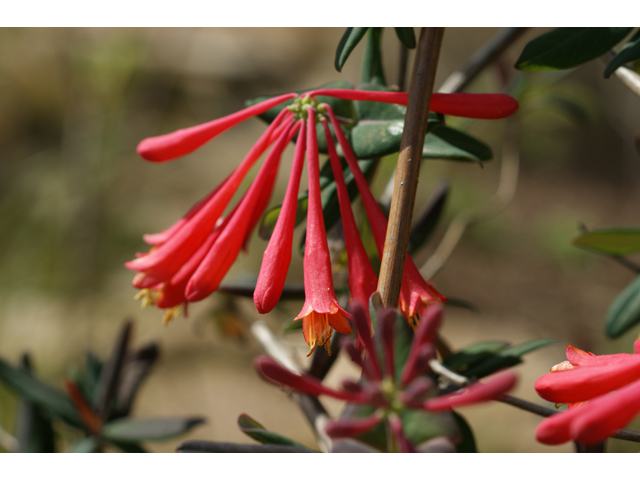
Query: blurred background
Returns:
{"type": "Point", "coordinates": [75, 201]}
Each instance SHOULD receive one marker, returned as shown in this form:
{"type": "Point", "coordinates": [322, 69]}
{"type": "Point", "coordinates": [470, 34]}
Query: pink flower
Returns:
{"type": "Point", "coordinates": [187, 262]}
{"type": "Point", "coordinates": [585, 381]}
{"type": "Point", "coordinates": [378, 387]}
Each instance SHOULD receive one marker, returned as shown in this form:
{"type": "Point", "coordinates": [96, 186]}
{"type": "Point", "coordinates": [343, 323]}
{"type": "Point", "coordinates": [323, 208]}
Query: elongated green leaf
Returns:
{"type": "Point", "coordinates": [628, 53]}
{"type": "Point", "coordinates": [33, 430]}
{"type": "Point", "coordinates": [426, 224]}
{"type": "Point", "coordinates": [471, 355]}
{"type": "Point", "coordinates": [468, 443]}
{"type": "Point", "coordinates": [128, 447]}
{"type": "Point", "coordinates": [624, 312]}
{"type": "Point", "coordinates": [406, 36]}
{"type": "Point", "coordinates": [569, 47]}
{"type": "Point", "coordinates": [459, 303]}
{"type": "Point", "coordinates": [450, 144]}
{"type": "Point", "coordinates": [348, 42]}
{"type": "Point", "coordinates": [256, 431]}
{"type": "Point", "coordinates": [371, 139]}
{"type": "Point", "coordinates": [614, 241]}
{"type": "Point", "coordinates": [84, 445]}
{"type": "Point", "coordinates": [200, 446]}
{"type": "Point", "coordinates": [507, 357]}
{"type": "Point", "coordinates": [372, 68]}
{"type": "Point", "coordinates": [137, 430]}
{"type": "Point", "coordinates": [48, 398]}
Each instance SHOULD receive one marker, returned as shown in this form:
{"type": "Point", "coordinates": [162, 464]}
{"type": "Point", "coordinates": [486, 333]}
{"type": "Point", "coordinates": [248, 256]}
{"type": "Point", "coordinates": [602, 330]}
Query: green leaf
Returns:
{"type": "Point", "coordinates": [200, 446]}
{"type": "Point", "coordinates": [378, 111]}
{"type": "Point", "coordinates": [468, 443]}
{"type": "Point", "coordinates": [425, 226]}
{"type": "Point", "coordinates": [137, 430]}
{"type": "Point", "coordinates": [450, 144]}
{"type": "Point", "coordinates": [406, 36]}
{"type": "Point", "coordinates": [624, 312]}
{"type": "Point", "coordinates": [256, 431]}
{"type": "Point", "coordinates": [471, 355]}
{"type": "Point", "coordinates": [33, 431]}
{"type": "Point", "coordinates": [372, 68]}
{"type": "Point", "coordinates": [614, 241]}
{"type": "Point", "coordinates": [629, 52]}
{"type": "Point", "coordinates": [459, 303]}
{"type": "Point", "coordinates": [128, 447]}
{"type": "Point", "coordinates": [348, 42]}
{"type": "Point", "coordinates": [84, 445]}
{"type": "Point", "coordinates": [507, 357]}
{"type": "Point", "coordinates": [48, 398]}
{"type": "Point", "coordinates": [569, 47]}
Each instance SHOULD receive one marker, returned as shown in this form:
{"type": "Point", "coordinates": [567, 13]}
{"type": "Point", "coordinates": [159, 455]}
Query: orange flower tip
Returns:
{"type": "Point", "coordinates": [566, 365]}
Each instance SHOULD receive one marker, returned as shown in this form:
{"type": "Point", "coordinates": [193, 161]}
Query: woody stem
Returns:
{"type": "Point", "coordinates": [408, 167]}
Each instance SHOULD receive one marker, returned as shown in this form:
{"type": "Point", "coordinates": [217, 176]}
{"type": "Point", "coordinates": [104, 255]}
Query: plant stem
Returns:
{"type": "Point", "coordinates": [627, 76]}
{"type": "Point", "coordinates": [408, 167]}
{"type": "Point", "coordinates": [458, 80]}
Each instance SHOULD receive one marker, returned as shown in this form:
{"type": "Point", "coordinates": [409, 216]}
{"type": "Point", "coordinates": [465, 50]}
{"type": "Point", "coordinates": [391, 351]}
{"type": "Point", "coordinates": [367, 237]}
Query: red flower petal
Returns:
{"type": "Point", "coordinates": [475, 393]}
{"type": "Point", "coordinates": [181, 142]}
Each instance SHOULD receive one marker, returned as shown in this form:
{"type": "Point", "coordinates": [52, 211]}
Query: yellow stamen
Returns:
{"type": "Point", "coordinates": [171, 313]}
{"type": "Point", "coordinates": [148, 297]}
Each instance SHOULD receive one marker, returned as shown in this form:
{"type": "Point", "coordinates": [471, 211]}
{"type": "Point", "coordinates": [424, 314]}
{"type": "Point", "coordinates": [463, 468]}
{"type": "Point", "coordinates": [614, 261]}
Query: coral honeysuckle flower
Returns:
{"type": "Point", "coordinates": [378, 387]}
{"type": "Point", "coordinates": [585, 381]}
{"type": "Point", "coordinates": [187, 262]}
{"type": "Point", "coordinates": [415, 293]}
{"type": "Point", "coordinates": [321, 312]}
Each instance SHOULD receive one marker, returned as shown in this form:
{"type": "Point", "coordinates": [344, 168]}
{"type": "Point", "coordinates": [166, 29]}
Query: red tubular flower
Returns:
{"type": "Point", "coordinates": [181, 142]}
{"type": "Point", "coordinates": [277, 256]}
{"type": "Point", "coordinates": [585, 382]}
{"type": "Point", "coordinates": [362, 278]}
{"type": "Point", "coordinates": [473, 105]}
{"type": "Point", "coordinates": [187, 261]}
{"type": "Point", "coordinates": [415, 294]}
{"type": "Point", "coordinates": [321, 312]}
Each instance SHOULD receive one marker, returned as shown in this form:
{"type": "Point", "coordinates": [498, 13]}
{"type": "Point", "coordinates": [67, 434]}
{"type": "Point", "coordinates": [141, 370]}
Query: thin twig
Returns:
{"type": "Point", "coordinates": [408, 166]}
{"type": "Point", "coordinates": [402, 67]}
{"type": "Point", "coordinates": [630, 435]}
{"type": "Point", "coordinates": [506, 191]}
{"type": "Point", "coordinates": [627, 76]}
{"type": "Point", "coordinates": [458, 80]}
{"type": "Point", "coordinates": [313, 410]}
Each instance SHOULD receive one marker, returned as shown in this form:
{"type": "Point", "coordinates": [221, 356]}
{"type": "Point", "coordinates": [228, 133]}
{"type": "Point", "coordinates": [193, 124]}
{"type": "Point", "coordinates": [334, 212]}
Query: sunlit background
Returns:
{"type": "Point", "coordinates": [75, 201]}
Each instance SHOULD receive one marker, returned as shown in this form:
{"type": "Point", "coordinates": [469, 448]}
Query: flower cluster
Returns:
{"type": "Point", "coordinates": [187, 262]}
{"type": "Point", "coordinates": [382, 387]}
{"type": "Point", "coordinates": [585, 382]}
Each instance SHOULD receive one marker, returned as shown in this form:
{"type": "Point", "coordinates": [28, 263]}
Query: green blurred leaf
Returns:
{"type": "Point", "coordinates": [459, 303]}
{"type": "Point", "coordinates": [629, 52]}
{"type": "Point", "coordinates": [137, 430]}
{"type": "Point", "coordinates": [348, 42]}
{"type": "Point", "coordinates": [128, 447]}
{"type": "Point", "coordinates": [614, 241]}
{"type": "Point", "coordinates": [291, 326]}
{"type": "Point", "coordinates": [372, 67]}
{"type": "Point", "coordinates": [507, 357]}
{"type": "Point", "coordinates": [406, 36]}
{"type": "Point", "coordinates": [33, 430]}
{"type": "Point", "coordinates": [84, 445]}
{"type": "Point", "coordinates": [48, 398]}
{"type": "Point", "coordinates": [256, 431]}
{"type": "Point", "coordinates": [468, 443]}
{"type": "Point", "coordinates": [422, 230]}
{"type": "Point", "coordinates": [200, 446]}
{"type": "Point", "coordinates": [450, 144]}
{"type": "Point", "coordinates": [569, 47]}
{"type": "Point", "coordinates": [624, 312]}
{"type": "Point", "coordinates": [378, 111]}
{"type": "Point", "coordinates": [471, 355]}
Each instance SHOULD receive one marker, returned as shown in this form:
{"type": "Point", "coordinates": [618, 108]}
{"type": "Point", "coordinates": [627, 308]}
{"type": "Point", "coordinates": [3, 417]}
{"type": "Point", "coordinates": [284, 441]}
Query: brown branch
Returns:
{"type": "Point", "coordinates": [408, 167]}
